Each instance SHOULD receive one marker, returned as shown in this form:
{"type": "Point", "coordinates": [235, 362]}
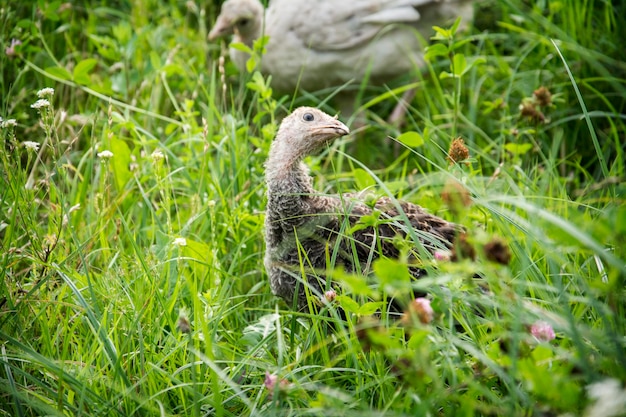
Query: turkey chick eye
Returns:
{"type": "Point", "coordinates": [243, 22]}
{"type": "Point", "coordinates": [308, 117]}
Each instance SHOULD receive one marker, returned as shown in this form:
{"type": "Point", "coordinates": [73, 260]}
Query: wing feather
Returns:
{"type": "Point", "coordinates": [327, 25]}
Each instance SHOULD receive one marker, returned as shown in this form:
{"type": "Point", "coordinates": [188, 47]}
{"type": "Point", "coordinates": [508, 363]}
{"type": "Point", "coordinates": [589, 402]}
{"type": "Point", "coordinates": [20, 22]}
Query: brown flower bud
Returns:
{"type": "Point", "coordinates": [497, 251]}
{"type": "Point", "coordinates": [420, 308]}
{"type": "Point", "coordinates": [455, 195]}
{"type": "Point", "coordinates": [183, 325]}
{"type": "Point", "coordinates": [462, 249]}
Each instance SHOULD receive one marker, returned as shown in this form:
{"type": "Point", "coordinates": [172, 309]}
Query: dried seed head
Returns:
{"type": "Point", "coordinates": [543, 96]}
{"type": "Point", "coordinates": [458, 152]}
{"type": "Point", "coordinates": [183, 324]}
{"type": "Point", "coordinates": [528, 110]}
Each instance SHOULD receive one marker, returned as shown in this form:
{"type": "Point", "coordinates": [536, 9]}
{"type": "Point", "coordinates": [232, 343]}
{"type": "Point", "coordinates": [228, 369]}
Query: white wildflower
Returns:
{"type": "Point", "coordinates": [8, 123]}
{"type": "Point", "coordinates": [74, 208]}
{"type": "Point", "coordinates": [30, 145]}
{"type": "Point", "coordinates": [608, 399]}
{"type": "Point", "coordinates": [45, 92]}
{"type": "Point", "coordinates": [66, 217]}
{"type": "Point", "coordinates": [105, 155]}
{"type": "Point", "coordinates": [133, 166]}
{"type": "Point", "coordinates": [41, 103]}
{"type": "Point", "coordinates": [180, 241]}
{"type": "Point", "coordinates": [157, 156]}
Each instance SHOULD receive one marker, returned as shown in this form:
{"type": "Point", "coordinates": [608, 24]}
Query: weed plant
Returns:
{"type": "Point", "coordinates": [131, 222]}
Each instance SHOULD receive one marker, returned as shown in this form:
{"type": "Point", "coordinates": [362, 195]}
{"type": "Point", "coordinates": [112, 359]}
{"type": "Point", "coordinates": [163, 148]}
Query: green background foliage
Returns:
{"type": "Point", "coordinates": [134, 285]}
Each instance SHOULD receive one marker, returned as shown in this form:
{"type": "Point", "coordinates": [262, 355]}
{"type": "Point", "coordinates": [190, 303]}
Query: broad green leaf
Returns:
{"type": "Point", "coordinates": [355, 283]}
{"type": "Point", "coordinates": [441, 33]}
{"type": "Point", "coordinates": [435, 50]}
{"type": "Point", "coordinates": [370, 308]}
{"type": "Point", "coordinates": [173, 69]}
{"type": "Point", "coordinates": [123, 32]}
{"type": "Point", "coordinates": [411, 138]}
{"type": "Point", "coordinates": [397, 186]}
{"type": "Point", "coordinates": [542, 353]}
{"type": "Point", "coordinates": [120, 162]}
{"type": "Point", "coordinates": [455, 26]}
{"type": "Point", "coordinates": [393, 274]}
{"type": "Point", "coordinates": [199, 251]}
{"type": "Point", "coordinates": [363, 179]}
{"type": "Point", "coordinates": [382, 339]}
{"type": "Point", "coordinates": [368, 220]}
{"type": "Point", "coordinates": [241, 47]}
{"type": "Point", "coordinates": [518, 148]}
{"type": "Point", "coordinates": [82, 70]}
{"type": "Point", "coordinates": [348, 304]}
{"type": "Point", "coordinates": [251, 64]}
{"type": "Point", "coordinates": [59, 72]}
{"type": "Point", "coordinates": [459, 64]}
{"type": "Point", "coordinates": [419, 337]}
{"type": "Point", "coordinates": [155, 60]}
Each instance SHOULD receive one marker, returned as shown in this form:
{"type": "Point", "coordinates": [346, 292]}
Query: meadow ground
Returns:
{"type": "Point", "coordinates": [132, 205]}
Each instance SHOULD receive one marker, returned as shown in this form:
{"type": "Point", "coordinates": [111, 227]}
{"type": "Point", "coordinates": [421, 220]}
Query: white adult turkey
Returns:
{"type": "Point", "coordinates": [305, 228]}
{"type": "Point", "coordinates": [328, 43]}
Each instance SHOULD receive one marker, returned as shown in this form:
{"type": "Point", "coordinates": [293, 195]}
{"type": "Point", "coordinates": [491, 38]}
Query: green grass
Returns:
{"type": "Point", "coordinates": [105, 310]}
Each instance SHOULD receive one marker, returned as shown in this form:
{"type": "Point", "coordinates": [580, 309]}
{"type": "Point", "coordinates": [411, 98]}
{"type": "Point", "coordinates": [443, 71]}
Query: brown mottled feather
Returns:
{"type": "Point", "coordinates": [303, 227]}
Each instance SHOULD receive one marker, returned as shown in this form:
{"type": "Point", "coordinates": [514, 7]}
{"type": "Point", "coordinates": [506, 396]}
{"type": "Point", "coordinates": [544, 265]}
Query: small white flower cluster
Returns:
{"type": "Point", "coordinates": [40, 104]}
{"type": "Point", "coordinates": [31, 146]}
{"type": "Point", "coordinates": [105, 154]}
{"type": "Point", "coordinates": [43, 102]}
{"type": "Point", "coordinates": [45, 92]}
{"type": "Point", "coordinates": [180, 241]}
{"type": "Point", "coordinates": [7, 123]}
{"type": "Point", "coordinates": [157, 156]}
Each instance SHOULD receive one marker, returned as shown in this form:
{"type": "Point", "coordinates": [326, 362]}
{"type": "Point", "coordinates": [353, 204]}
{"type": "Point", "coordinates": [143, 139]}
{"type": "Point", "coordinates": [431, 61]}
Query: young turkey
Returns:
{"type": "Point", "coordinates": [304, 228]}
{"type": "Point", "coordinates": [327, 43]}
